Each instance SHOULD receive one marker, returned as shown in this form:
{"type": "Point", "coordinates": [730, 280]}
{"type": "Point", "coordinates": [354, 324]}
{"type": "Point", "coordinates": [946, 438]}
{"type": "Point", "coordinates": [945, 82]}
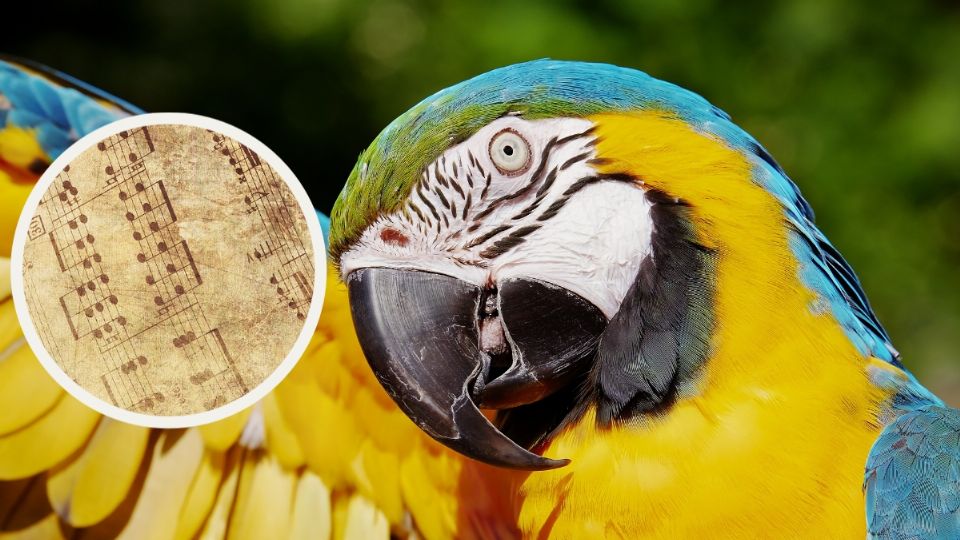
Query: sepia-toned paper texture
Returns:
{"type": "Point", "coordinates": [168, 270]}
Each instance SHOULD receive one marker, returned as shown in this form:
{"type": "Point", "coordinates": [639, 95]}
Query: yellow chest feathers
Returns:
{"type": "Point", "coordinates": [774, 441]}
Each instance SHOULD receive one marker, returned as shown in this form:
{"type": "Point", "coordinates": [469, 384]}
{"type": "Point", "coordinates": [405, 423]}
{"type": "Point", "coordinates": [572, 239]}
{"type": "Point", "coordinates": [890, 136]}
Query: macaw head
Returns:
{"type": "Point", "coordinates": [547, 238]}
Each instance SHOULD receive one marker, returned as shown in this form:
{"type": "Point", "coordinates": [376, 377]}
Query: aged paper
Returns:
{"type": "Point", "coordinates": [168, 270]}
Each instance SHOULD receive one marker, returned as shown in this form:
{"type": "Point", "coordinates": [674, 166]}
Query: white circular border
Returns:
{"type": "Point", "coordinates": [188, 420]}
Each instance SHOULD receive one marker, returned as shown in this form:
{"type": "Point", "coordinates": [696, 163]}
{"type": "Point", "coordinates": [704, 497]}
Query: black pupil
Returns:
{"type": "Point", "coordinates": [508, 150]}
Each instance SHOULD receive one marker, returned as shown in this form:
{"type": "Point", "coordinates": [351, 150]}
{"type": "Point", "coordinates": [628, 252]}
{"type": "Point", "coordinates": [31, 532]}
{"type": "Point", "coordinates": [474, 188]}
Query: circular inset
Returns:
{"type": "Point", "coordinates": [168, 270]}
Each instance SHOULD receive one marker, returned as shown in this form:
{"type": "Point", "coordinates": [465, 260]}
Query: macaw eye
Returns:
{"type": "Point", "coordinates": [510, 152]}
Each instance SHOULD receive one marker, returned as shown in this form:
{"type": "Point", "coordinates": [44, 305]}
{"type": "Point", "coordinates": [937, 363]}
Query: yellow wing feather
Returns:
{"type": "Point", "coordinates": [87, 488]}
{"type": "Point", "coordinates": [18, 148]}
{"type": "Point", "coordinates": [311, 519]}
{"type": "Point", "coordinates": [215, 525]}
{"type": "Point", "coordinates": [281, 440]}
{"type": "Point", "coordinates": [201, 495]}
{"type": "Point", "coordinates": [264, 503]}
{"type": "Point", "coordinates": [27, 391]}
{"type": "Point", "coordinates": [49, 440]}
{"type": "Point", "coordinates": [222, 434]}
{"type": "Point", "coordinates": [355, 516]}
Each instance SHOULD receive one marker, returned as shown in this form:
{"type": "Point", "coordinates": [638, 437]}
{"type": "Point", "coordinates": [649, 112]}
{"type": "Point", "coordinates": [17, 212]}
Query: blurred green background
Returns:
{"type": "Point", "coordinates": [860, 104]}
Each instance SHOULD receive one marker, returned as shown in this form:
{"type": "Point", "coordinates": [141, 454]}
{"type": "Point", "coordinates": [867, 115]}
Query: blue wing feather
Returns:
{"type": "Point", "coordinates": [912, 480]}
{"type": "Point", "coordinates": [56, 108]}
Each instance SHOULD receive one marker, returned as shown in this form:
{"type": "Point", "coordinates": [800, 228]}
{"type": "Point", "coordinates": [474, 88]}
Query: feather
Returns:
{"type": "Point", "coordinates": [220, 435]}
{"type": "Point", "coordinates": [377, 474]}
{"type": "Point", "coordinates": [202, 494]}
{"type": "Point", "coordinates": [215, 527]}
{"type": "Point", "coordinates": [5, 291]}
{"type": "Point", "coordinates": [176, 457]}
{"type": "Point", "coordinates": [26, 390]}
{"type": "Point", "coordinates": [90, 486]}
{"type": "Point", "coordinates": [281, 439]}
{"type": "Point", "coordinates": [912, 477]}
{"type": "Point", "coordinates": [311, 517]}
{"type": "Point", "coordinates": [357, 517]}
{"type": "Point", "coordinates": [47, 528]}
{"type": "Point", "coordinates": [9, 324]}
{"type": "Point", "coordinates": [31, 516]}
{"type": "Point", "coordinates": [428, 478]}
{"type": "Point", "coordinates": [264, 502]}
{"type": "Point", "coordinates": [47, 441]}
{"type": "Point", "coordinates": [14, 190]}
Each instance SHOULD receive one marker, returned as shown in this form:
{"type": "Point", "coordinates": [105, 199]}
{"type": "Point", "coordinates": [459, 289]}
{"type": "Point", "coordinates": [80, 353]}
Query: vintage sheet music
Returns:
{"type": "Point", "coordinates": [168, 270]}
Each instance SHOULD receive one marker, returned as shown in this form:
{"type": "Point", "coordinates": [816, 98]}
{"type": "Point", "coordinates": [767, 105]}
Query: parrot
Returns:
{"type": "Point", "coordinates": [566, 300]}
{"type": "Point", "coordinates": [581, 271]}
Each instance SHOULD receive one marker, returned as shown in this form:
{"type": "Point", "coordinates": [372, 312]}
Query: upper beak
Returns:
{"type": "Point", "coordinates": [419, 332]}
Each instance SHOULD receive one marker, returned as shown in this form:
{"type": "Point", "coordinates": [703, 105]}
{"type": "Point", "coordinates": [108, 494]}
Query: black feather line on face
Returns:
{"type": "Point", "coordinates": [583, 134]}
{"type": "Point", "coordinates": [541, 195]}
{"type": "Point", "coordinates": [509, 242]}
{"type": "Point", "coordinates": [441, 179]}
{"type": "Point", "coordinates": [427, 203]}
{"type": "Point", "coordinates": [486, 186]}
{"type": "Point", "coordinates": [487, 236]}
{"type": "Point", "coordinates": [575, 159]}
{"type": "Point", "coordinates": [416, 210]}
{"type": "Point", "coordinates": [443, 199]}
{"type": "Point", "coordinates": [466, 205]}
{"type": "Point", "coordinates": [456, 187]}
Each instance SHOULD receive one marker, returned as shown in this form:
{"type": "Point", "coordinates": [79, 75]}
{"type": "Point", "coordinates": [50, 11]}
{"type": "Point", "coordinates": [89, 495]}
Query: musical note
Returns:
{"type": "Point", "coordinates": [202, 377]}
{"type": "Point", "coordinates": [284, 293]}
{"type": "Point", "coordinates": [217, 401]}
{"type": "Point", "coordinates": [185, 339]}
{"type": "Point", "coordinates": [262, 251]}
{"type": "Point", "coordinates": [149, 402]}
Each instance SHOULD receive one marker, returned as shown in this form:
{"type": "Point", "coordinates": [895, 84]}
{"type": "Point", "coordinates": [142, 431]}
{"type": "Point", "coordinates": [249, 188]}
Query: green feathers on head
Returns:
{"type": "Point", "coordinates": [387, 170]}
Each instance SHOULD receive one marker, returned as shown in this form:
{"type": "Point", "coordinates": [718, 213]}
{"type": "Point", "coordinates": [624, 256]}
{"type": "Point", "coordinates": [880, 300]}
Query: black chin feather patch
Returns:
{"type": "Point", "coordinates": [657, 341]}
{"type": "Point", "coordinates": [660, 336]}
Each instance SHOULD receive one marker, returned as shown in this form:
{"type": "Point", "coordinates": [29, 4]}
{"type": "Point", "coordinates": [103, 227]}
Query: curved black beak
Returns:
{"type": "Point", "coordinates": [419, 333]}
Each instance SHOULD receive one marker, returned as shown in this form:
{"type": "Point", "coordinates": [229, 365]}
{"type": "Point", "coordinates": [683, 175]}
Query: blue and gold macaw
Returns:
{"type": "Point", "coordinates": [635, 287]}
{"type": "Point", "coordinates": [567, 268]}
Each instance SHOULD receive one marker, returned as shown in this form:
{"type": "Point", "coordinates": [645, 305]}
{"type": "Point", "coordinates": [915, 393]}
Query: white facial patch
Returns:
{"type": "Point", "coordinates": [558, 220]}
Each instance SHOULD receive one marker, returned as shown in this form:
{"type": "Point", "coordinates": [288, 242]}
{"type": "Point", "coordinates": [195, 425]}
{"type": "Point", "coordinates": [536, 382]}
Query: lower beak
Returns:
{"type": "Point", "coordinates": [419, 332]}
